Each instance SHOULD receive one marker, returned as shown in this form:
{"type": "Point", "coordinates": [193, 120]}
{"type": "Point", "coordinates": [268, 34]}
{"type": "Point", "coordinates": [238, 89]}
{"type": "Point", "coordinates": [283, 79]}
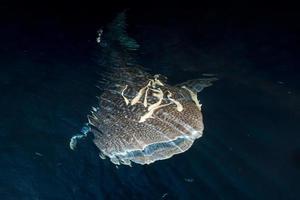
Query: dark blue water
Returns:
{"type": "Point", "coordinates": [251, 144]}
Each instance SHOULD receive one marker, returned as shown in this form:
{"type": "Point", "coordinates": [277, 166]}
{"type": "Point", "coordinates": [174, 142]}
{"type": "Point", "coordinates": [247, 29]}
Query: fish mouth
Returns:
{"type": "Point", "coordinates": [154, 151]}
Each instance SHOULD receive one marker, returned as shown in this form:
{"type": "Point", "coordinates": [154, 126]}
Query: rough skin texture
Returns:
{"type": "Point", "coordinates": [117, 127]}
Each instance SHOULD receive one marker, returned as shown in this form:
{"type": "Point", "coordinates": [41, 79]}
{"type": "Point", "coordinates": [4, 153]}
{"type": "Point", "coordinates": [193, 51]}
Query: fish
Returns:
{"type": "Point", "coordinates": [139, 117]}
{"type": "Point", "coordinates": [127, 130]}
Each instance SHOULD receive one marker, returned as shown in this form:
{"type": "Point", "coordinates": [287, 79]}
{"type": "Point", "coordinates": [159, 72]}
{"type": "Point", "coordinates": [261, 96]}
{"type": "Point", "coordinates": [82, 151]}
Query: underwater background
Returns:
{"type": "Point", "coordinates": [49, 68]}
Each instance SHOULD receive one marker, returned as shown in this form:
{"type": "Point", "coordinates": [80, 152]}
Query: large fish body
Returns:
{"type": "Point", "coordinates": [141, 118]}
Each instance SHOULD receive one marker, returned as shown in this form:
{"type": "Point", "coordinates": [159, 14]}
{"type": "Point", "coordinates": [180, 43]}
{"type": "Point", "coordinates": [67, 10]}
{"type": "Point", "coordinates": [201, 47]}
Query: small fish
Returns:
{"type": "Point", "coordinates": [164, 195]}
{"type": "Point", "coordinates": [209, 75]}
{"type": "Point", "coordinates": [38, 154]}
{"type": "Point", "coordinates": [280, 82]}
{"type": "Point", "coordinates": [189, 180]}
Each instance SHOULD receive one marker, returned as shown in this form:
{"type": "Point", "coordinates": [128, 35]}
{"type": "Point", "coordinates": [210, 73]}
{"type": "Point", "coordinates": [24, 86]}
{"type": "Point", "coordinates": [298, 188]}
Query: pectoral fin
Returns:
{"type": "Point", "coordinates": [197, 85]}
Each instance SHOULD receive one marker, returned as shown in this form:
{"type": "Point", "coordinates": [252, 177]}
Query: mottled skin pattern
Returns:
{"type": "Point", "coordinates": [139, 117]}
{"type": "Point", "coordinates": [118, 132]}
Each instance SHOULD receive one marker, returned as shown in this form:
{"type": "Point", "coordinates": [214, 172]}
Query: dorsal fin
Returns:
{"type": "Point", "coordinates": [117, 47]}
